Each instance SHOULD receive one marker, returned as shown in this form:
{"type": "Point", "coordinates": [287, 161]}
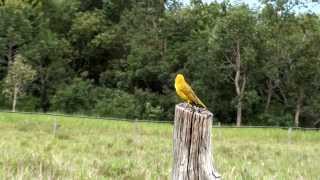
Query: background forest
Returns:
{"type": "Point", "coordinates": [119, 58]}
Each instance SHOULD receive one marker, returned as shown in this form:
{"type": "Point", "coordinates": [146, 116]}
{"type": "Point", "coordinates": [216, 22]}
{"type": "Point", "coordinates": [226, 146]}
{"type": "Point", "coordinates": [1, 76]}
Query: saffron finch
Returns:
{"type": "Point", "coordinates": [185, 92]}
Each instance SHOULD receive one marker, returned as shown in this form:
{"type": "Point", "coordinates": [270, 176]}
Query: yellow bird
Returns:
{"type": "Point", "coordinates": [185, 92]}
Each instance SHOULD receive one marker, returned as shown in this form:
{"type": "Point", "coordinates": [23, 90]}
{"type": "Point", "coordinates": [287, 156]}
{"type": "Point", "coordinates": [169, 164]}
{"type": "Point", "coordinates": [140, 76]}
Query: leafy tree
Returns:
{"type": "Point", "coordinates": [146, 65]}
{"type": "Point", "coordinates": [270, 54]}
{"type": "Point", "coordinates": [254, 67]}
{"type": "Point", "coordinates": [236, 45]}
{"type": "Point", "coordinates": [50, 57]}
{"type": "Point", "coordinates": [304, 63]}
{"type": "Point", "coordinates": [19, 74]}
{"type": "Point", "coordinates": [88, 5]}
{"type": "Point", "coordinates": [93, 39]}
{"type": "Point", "coordinates": [15, 34]}
{"type": "Point", "coordinates": [58, 14]}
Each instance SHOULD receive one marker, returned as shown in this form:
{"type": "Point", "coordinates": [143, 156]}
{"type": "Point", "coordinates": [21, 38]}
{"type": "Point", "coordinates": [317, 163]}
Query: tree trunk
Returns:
{"type": "Point", "coordinates": [269, 96]}
{"type": "Point", "coordinates": [298, 108]}
{"type": "Point", "coordinates": [10, 55]}
{"type": "Point", "coordinates": [297, 115]}
{"type": "Point", "coordinates": [11, 52]}
{"type": "Point", "coordinates": [284, 97]}
{"type": "Point", "coordinates": [44, 99]}
{"type": "Point", "coordinates": [192, 144]}
{"type": "Point", "coordinates": [240, 83]}
{"type": "Point", "coordinates": [15, 97]}
{"type": "Point", "coordinates": [239, 113]}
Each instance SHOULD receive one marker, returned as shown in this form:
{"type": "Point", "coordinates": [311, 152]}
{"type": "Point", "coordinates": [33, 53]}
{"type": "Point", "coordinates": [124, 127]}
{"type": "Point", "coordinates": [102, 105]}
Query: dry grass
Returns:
{"type": "Point", "coordinates": [97, 149]}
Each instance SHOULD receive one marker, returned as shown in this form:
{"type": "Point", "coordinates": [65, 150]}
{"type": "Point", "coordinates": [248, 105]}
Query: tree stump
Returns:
{"type": "Point", "coordinates": [192, 144]}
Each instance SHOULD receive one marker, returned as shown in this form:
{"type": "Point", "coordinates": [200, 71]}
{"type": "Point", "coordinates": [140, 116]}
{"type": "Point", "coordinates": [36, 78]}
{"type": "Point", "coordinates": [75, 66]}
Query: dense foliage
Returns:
{"type": "Point", "coordinates": [119, 58]}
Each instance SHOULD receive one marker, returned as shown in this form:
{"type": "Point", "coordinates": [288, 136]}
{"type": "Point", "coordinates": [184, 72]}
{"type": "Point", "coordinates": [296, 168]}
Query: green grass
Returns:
{"type": "Point", "coordinates": [98, 149]}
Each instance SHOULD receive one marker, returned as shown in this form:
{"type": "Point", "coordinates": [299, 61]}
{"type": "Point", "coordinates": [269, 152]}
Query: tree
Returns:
{"type": "Point", "coordinates": [254, 67]}
{"type": "Point", "coordinates": [15, 34]}
{"type": "Point", "coordinates": [270, 55]}
{"type": "Point", "coordinates": [19, 74]}
{"type": "Point", "coordinates": [233, 37]}
{"type": "Point", "coordinates": [146, 67]}
{"type": "Point", "coordinates": [189, 52]}
{"type": "Point", "coordinates": [304, 63]}
{"type": "Point", "coordinates": [50, 57]}
{"type": "Point", "coordinates": [91, 37]}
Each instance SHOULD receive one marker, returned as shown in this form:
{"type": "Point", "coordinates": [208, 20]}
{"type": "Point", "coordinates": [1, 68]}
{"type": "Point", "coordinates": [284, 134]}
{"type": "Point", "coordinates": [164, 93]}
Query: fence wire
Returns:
{"type": "Point", "coordinates": [216, 125]}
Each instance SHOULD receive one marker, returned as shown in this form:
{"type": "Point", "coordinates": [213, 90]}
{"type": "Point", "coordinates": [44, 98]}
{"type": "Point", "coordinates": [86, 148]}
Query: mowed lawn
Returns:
{"type": "Point", "coordinates": [101, 149]}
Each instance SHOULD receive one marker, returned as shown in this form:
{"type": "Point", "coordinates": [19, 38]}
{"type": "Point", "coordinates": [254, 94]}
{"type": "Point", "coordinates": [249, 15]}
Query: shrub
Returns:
{"type": "Point", "coordinates": [27, 103]}
{"type": "Point", "coordinates": [3, 99]}
{"type": "Point", "coordinates": [116, 103]}
{"type": "Point", "coordinates": [74, 98]}
{"type": "Point", "coordinates": [269, 119]}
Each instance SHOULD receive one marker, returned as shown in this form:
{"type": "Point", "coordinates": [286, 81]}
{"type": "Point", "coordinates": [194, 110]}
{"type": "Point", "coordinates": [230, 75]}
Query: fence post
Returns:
{"type": "Point", "coordinates": [289, 135]}
{"type": "Point", "coordinates": [192, 144]}
{"type": "Point", "coordinates": [55, 127]}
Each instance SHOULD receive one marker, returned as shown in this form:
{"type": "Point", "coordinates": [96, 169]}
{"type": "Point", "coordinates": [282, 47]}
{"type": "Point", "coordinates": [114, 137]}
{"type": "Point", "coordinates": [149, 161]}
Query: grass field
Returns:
{"type": "Point", "coordinates": [98, 149]}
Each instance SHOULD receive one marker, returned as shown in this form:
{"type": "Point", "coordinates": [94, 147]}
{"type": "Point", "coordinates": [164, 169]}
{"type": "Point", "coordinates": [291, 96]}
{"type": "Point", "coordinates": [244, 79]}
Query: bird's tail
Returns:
{"type": "Point", "coordinates": [201, 103]}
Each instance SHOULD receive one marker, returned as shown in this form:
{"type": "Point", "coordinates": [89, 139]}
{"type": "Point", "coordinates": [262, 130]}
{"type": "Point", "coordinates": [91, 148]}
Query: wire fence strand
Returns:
{"type": "Point", "coordinates": [154, 121]}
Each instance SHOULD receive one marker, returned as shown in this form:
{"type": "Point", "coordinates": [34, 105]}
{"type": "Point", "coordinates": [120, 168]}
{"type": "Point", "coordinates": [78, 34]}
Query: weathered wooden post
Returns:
{"type": "Point", "coordinates": [192, 144]}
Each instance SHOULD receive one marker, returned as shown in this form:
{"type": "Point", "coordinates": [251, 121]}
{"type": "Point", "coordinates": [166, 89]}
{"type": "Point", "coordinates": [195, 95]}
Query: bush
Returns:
{"type": "Point", "coordinates": [74, 98]}
{"type": "Point", "coordinates": [269, 119]}
{"type": "Point", "coordinates": [153, 105]}
{"type": "Point", "coordinates": [82, 97]}
{"type": "Point", "coordinates": [27, 103]}
{"type": "Point", "coordinates": [117, 103]}
{"type": "Point", "coordinates": [141, 104]}
{"type": "Point", "coordinates": [3, 99]}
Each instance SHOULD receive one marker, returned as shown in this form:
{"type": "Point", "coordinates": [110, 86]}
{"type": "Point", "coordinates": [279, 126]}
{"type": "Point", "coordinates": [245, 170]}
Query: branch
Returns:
{"type": "Point", "coordinates": [243, 86]}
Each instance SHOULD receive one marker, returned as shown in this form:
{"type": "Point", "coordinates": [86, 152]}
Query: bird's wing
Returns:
{"type": "Point", "coordinates": [181, 95]}
{"type": "Point", "coordinates": [187, 90]}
